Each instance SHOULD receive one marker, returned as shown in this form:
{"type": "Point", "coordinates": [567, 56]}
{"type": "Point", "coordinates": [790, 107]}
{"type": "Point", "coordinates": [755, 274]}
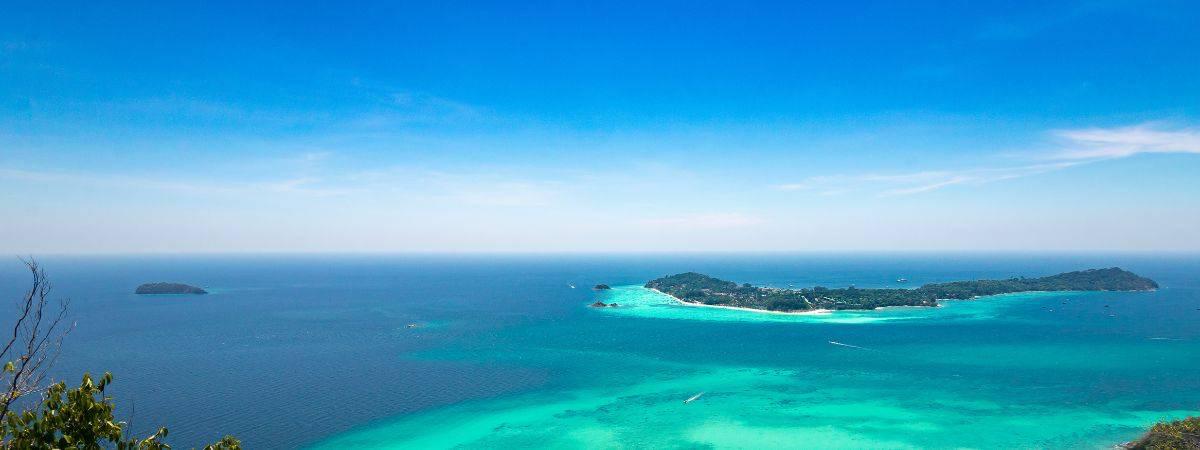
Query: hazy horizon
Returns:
{"type": "Point", "coordinates": [602, 254]}
{"type": "Point", "coordinates": [552, 128]}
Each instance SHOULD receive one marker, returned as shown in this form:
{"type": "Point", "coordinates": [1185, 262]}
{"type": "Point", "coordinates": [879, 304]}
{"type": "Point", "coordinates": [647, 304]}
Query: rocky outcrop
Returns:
{"type": "Point", "coordinates": [169, 288]}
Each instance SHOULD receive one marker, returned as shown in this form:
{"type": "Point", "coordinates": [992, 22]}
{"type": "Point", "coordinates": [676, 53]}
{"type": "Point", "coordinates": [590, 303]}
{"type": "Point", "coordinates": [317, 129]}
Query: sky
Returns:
{"type": "Point", "coordinates": [444, 126]}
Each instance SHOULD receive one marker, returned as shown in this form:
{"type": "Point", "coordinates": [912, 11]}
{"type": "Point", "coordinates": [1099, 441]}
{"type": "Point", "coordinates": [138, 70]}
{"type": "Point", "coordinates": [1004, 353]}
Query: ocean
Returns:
{"type": "Point", "coordinates": [317, 351]}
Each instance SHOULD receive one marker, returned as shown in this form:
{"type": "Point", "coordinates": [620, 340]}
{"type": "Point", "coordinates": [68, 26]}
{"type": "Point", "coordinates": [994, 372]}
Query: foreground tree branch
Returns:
{"type": "Point", "coordinates": [80, 418]}
{"type": "Point", "coordinates": [35, 340]}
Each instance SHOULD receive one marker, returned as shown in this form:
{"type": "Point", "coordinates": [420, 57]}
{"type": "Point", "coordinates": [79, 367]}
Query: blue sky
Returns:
{"type": "Point", "coordinates": [557, 126]}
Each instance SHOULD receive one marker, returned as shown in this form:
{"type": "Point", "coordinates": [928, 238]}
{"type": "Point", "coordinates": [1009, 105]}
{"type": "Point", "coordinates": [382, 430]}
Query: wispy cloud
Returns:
{"type": "Point", "coordinates": [101, 181]}
{"type": "Point", "coordinates": [13, 46]}
{"type": "Point", "coordinates": [313, 157]}
{"type": "Point", "coordinates": [363, 110]}
{"type": "Point", "coordinates": [1074, 148]}
{"type": "Point", "coordinates": [1049, 16]}
{"type": "Point", "coordinates": [475, 187]}
{"type": "Point", "coordinates": [1108, 143]}
{"type": "Point", "coordinates": [933, 185]}
{"type": "Point", "coordinates": [898, 184]}
{"type": "Point", "coordinates": [504, 194]}
{"type": "Point", "coordinates": [430, 105]}
{"type": "Point", "coordinates": [301, 185]}
{"type": "Point", "coordinates": [716, 221]}
{"type": "Point", "coordinates": [464, 189]}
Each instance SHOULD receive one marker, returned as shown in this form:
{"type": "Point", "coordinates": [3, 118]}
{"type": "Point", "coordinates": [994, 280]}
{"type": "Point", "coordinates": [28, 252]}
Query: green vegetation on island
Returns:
{"type": "Point", "coordinates": [1178, 435]}
{"type": "Point", "coordinates": [169, 288]}
{"type": "Point", "coordinates": [702, 289]}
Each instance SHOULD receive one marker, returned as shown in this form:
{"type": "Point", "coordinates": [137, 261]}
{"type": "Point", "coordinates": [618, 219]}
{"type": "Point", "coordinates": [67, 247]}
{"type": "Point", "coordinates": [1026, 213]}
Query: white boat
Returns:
{"type": "Point", "coordinates": [693, 398]}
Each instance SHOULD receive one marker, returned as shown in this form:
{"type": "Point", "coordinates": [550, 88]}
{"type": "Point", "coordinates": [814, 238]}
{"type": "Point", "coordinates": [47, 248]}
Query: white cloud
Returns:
{"type": "Point", "coordinates": [1107, 143]}
{"type": "Point", "coordinates": [491, 187]}
{"type": "Point", "coordinates": [313, 157]}
{"type": "Point", "coordinates": [13, 46]}
{"type": "Point", "coordinates": [898, 184]}
{"type": "Point", "coordinates": [505, 193]}
{"type": "Point", "coordinates": [301, 185]}
{"type": "Point", "coordinates": [1075, 147]}
{"type": "Point", "coordinates": [956, 179]}
{"type": "Point", "coordinates": [717, 221]}
{"type": "Point", "coordinates": [433, 105]}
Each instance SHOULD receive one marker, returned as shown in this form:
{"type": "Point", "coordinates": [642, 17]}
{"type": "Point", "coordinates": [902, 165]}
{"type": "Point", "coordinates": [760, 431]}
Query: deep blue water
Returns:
{"type": "Point", "coordinates": [289, 350]}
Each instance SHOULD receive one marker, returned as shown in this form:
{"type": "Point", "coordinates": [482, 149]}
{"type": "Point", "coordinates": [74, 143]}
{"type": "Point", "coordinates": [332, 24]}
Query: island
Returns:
{"type": "Point", "coordinates": [698, 289]}
{"type": "Point", "coordinates": [1179, 434]}
{"type": "Point", "coordinates": [601, 287]}
{"type": "Point", "coordinates": [169, 288]}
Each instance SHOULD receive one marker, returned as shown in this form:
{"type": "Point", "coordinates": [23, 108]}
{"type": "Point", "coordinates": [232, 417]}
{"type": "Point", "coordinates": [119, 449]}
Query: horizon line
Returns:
{"type": "Point", "coordinates": [616, 252]}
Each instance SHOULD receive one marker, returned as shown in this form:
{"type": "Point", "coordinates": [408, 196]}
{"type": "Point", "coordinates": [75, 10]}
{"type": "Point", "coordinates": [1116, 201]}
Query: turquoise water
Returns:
{"type": "Point", "coordinates": [885, 392]}
{"type": "Point", "coordinates": [1039, 370]}
{"type": "Point", "coordinates": [636, 301]}
{"type": "Point", "coordinates": [316, 352]}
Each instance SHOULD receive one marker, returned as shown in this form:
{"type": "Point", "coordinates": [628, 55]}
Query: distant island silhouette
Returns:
{"type": "Point", "coordinates": [169, 288]}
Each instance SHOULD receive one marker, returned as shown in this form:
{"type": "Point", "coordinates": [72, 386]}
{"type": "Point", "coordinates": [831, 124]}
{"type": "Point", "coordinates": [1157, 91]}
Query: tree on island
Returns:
{"type": "Point", "coordinates": [1178, 435]}
{"type": "Point", "coordinates": [80, 418]}
{"type": "Point", "coordinates": [702, 289]}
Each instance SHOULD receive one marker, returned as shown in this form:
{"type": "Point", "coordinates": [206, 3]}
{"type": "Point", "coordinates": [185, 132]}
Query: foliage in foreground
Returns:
{"type": "Point", "coordinates": [79, 418]}
{"type": "Point", "coordinates": [82, 418]}
{"type": "Point", "coordinates": [1178, 435]}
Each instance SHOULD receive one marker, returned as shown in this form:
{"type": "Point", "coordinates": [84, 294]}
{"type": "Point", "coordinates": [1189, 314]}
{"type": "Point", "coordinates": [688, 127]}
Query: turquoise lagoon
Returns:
{"type": "Point", "coordinates": [1035, 370]}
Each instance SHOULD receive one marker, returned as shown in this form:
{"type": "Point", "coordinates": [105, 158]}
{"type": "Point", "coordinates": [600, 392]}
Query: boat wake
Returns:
{"type": "Point", "coordinates": [851, 346]}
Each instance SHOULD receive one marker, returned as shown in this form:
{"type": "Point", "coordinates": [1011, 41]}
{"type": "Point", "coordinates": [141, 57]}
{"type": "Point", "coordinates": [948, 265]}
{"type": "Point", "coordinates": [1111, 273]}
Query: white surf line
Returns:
{"type": "Point", "coordinates": [693, 398]}
{"type": "Point", "coordinates": [1165, 339]}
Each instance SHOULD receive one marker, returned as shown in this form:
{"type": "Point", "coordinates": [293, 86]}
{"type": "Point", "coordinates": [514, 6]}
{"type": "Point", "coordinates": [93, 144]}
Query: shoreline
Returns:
{"type": "Point", "coordinates": [815, 312]}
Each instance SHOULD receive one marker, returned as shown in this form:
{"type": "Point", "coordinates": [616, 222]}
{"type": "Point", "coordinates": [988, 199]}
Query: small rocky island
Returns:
{"type": "Point", "coordinates": [702, 289]}
{"type": "Point", "coordinates": [601, 287]}
{"type": "Point", "coordinates": [169, 288]}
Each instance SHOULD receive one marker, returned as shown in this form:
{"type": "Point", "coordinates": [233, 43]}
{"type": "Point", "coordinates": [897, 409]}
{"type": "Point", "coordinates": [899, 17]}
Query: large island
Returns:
{"type": "Point", "coordinates": [699, 289]}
